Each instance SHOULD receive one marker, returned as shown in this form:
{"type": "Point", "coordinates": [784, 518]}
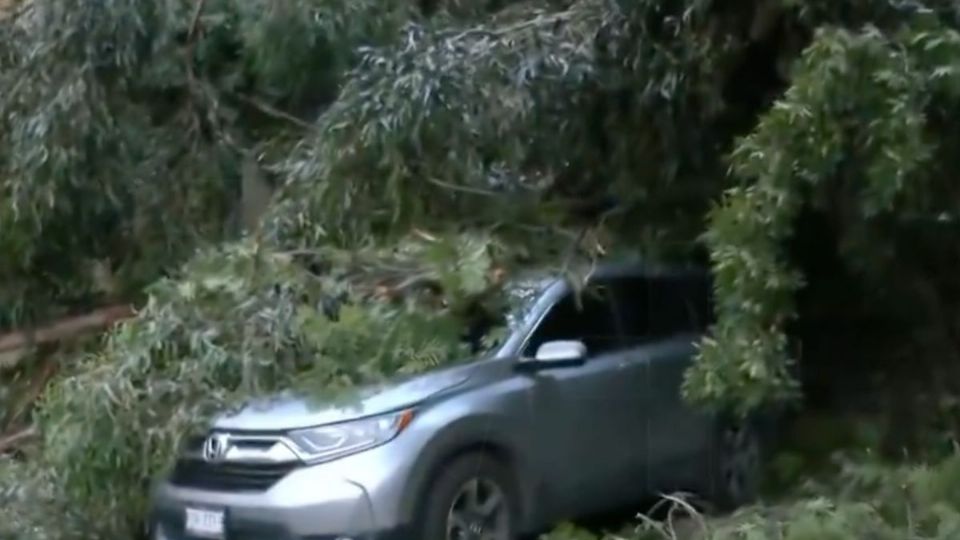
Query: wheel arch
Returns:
{"type": "Point", "coordinates": [464, 437]}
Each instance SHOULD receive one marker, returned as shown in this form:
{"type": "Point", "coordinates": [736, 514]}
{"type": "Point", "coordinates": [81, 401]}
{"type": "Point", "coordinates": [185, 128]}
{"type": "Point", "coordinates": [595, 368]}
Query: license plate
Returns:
{"type": "Point", "coordinates": [205, 523]}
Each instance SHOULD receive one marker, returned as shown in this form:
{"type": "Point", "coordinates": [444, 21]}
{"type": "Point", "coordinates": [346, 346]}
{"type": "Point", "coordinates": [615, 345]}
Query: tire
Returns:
{"type": "Point", "coordinates": [736, 459]}
{"type": "Point", "coordinates": [458, 504]}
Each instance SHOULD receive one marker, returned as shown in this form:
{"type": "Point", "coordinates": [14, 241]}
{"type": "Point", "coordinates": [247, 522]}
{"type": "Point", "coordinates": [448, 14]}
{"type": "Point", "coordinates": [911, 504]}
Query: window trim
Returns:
{"type": "Point", "coordinates": [566, 289]}
{"type": "Point", "coordinates": [536, 324]}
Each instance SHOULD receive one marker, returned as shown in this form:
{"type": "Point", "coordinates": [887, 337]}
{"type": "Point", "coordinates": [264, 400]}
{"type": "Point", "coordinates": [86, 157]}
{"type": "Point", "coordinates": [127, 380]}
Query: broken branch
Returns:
{"type": "Point", "coordinates": [65, 328]}
{"type": "Point", "coordinates": [10, 442]}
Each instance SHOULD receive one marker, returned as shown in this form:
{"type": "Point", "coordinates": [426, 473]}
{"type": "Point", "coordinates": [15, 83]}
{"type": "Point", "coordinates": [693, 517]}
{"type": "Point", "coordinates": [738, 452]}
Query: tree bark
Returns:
{"type": "Point", "coordinates": [11, 441]}
{"type": "Point", "coordinates": [12, 344]}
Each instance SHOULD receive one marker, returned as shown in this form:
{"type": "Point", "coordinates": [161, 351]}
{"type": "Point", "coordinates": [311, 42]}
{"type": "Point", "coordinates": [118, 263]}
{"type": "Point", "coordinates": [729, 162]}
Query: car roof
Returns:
{"type": "Point", "coordinates": [644, 268]}
{"type": "Point", "coordinates": [623, 268]}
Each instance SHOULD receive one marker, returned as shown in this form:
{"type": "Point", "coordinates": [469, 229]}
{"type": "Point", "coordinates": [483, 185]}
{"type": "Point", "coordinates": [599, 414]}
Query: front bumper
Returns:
{"type": "Point", "coordinates": [356, 498]}
{"type": "Point", "coordinates": [170, 527]}
{"type": "Point", "coordinates": [343, 513]}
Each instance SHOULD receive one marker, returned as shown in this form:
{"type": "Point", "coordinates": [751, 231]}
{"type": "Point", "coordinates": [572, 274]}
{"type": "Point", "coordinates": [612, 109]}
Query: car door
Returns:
{"type": "Point", "coordinates": [588, 418]}
{"type": "Point", "coordinates": [662, 317]}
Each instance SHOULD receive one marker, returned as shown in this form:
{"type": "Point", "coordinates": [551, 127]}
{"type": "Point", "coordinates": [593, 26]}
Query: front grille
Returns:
{"type": "Point", "coordinates": [199, 474]}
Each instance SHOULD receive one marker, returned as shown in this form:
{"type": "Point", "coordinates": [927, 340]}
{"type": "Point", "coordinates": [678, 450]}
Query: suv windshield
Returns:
{"type": "Point", "coordinates": [491, 323]}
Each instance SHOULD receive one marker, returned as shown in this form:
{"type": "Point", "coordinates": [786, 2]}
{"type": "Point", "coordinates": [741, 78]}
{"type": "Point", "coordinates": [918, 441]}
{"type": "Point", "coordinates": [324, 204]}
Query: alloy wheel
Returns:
{"type": "Point", "coordinates": [480, 511]}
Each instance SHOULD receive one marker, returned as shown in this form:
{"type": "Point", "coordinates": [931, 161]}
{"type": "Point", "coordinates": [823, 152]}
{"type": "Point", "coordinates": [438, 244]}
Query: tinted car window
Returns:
{"type": "Point", "coordinates": [587, 316]}
{"type": "Point", "coordinates": [633, 308]}
{"type": "Point", "coordinates": [659, 307]}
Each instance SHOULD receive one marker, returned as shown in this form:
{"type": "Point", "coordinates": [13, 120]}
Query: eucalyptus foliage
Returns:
{"type": "Point", "coordinates": [856, 114]}
{"type": "Point", "coordinates": [421, 151]}
{"type": "Point", "coordinates": [869, 500]}
{"type": "Point", "coordinates": [123, 124]}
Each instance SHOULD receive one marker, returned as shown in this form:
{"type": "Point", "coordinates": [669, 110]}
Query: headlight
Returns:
{"type": "Point", "coordinates": [325, 443]}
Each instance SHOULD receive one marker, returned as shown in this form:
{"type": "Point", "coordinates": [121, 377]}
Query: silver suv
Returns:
{"type": "Point", "coordinates": [577, 411]}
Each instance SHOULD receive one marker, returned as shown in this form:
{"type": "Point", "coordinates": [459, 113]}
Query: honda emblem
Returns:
{"type": "Point", "coordinates": [216, 446]}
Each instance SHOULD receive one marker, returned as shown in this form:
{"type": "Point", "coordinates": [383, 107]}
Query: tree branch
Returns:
{"type": "Point", "coordinates": [195, 20]}
{"type": "Point", "coordinates": [270, 110]}
{"type": "Point", "coordinates": [32, 393]}
{"type": "Point", "coordinates": [13, 440]}
{"type": "Point", "coordinates": [188, 61]}
{"type": "Point", "coordinates": [539, 20]}
{"type": "Point", "coordinates": [464, 189]}
{"type": "Point", "coordinates": [65, 328]}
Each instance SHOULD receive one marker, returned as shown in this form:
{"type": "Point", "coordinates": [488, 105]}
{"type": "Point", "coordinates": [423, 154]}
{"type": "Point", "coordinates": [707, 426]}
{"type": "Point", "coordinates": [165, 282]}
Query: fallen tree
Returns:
{"type": "Point", "coordinates": [11, 441]}
{"type": "Point", "coordinates": [17, 343]}
{"type": "Point", "coordinates": [406, 157]}
{"type": "Point", "coordinates": [15, 347]}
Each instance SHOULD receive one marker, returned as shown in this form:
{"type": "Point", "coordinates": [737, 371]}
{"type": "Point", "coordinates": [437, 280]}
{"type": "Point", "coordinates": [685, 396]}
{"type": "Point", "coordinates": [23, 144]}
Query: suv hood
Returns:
{"type": "Point", "coordinates": [292, 411]}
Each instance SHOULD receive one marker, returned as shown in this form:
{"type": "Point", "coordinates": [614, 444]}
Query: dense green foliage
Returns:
{"type": "Point", "coordinates": [867, 501]}
{"type": "Point", "coordinates": [408, 156]}
{"type": "Point", "coordinates": [856, 114]}
{"type": "Point", "coordinates": [125, 123]}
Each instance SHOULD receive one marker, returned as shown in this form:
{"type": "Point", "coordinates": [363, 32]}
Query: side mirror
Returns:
{"type": "Point", "coordinates": [557, 354]}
